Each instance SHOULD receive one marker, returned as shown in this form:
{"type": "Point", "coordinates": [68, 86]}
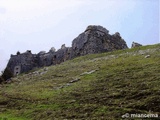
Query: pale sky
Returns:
{"type": "Point", "coordinates": [38, 25]}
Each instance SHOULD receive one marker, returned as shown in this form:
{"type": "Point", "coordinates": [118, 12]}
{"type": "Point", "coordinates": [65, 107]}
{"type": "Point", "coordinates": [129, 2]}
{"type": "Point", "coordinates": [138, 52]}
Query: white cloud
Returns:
{"type": "Point", "coordinates": [27, 16]}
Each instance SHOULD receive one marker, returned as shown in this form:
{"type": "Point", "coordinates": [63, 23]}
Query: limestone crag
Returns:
{"type": "Point", "coordinates": [135, 44]}
{"type": "Point", "coordinates": [95, 39]}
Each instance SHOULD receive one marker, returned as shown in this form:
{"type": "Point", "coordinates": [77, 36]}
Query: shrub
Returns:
{"type": "Point", "coordinates": [18, 53]}
{"type": "Point", "coordinates": [7, 74]}
{"type": "Point", "coordinates": [1, 79]}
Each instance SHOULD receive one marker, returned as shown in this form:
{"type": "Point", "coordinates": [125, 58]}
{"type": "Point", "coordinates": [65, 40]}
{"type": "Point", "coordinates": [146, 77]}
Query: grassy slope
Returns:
{"type": "Point", "coordinates": [124, 82]}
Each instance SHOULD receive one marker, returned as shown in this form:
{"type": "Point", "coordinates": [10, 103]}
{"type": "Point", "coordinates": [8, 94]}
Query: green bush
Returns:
{"type": "Point", "coordinates": [7, 74]}
{"type": "Point", "coordinates": [1, 79]}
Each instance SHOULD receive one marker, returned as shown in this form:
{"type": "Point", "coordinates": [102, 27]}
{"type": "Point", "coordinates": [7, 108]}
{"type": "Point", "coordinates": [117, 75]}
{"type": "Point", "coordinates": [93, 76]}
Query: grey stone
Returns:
{"type": "Point", "coordinates": [147, 56]}
{"type": "Point", "coordinates": [97, 28]}
{"type": "Point", "coordinates": [17, 70]}
{"type": "Point", "coordinates": [63, 46]}
{"type": "Point", "coordinates": [68, 84]}
{"type": "Point", "coordinates": [75, 80]}
{"type": "Point", "coordinates": [134, 44]}
{"type": "Point", "coordinates": [22, 63]}
{"type": "Point", "coordinates": [95, 39]}
{"type": "Point", "coordinates": [42, 73]}
{"type": "Point", "coordinates": [86, 73]}
{"type": "Point", "coordinates": [42, 52]}
{"type": "Point", "coordinates": [45, 69]}
{"type": "Point", "coordinates": [52, 50]}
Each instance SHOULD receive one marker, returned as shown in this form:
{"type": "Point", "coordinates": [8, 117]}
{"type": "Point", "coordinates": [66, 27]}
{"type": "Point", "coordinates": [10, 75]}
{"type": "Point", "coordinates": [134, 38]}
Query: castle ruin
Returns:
{"type": "Point", "coordinates": [95, 39]}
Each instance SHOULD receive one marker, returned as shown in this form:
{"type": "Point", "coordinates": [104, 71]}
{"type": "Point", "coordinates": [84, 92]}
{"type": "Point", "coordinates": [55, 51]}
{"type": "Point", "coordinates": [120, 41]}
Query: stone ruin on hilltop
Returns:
{"type": "Point", "coordinates": [95, 39]}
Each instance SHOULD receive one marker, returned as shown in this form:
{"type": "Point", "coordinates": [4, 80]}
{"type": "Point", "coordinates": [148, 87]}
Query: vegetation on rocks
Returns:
{"type": "Point", "coordinates": [6, 75]}
{"type": "Point", "coordinates": [96, 86]}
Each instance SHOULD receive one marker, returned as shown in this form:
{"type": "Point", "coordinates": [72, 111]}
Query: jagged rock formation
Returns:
{"type": "Point", "coordinates": [95, 39]}
{"type": "Point", "coordinates": [134, 44]}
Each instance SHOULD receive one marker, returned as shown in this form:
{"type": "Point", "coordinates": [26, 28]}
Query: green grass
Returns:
{"type": "Point", "coordinates": [124, 82]}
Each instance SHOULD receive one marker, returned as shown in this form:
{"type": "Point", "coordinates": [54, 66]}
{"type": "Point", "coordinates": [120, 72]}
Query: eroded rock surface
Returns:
{"type": "Point", "coordinates": [135, 44]}
{"type": "Point", "coordinates": [95, 39]}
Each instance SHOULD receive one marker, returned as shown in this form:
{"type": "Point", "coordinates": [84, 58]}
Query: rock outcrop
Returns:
{"type": "Point", "coordinates": [95, 39]}
{"type": "Point", "coordinates": [134, 44]}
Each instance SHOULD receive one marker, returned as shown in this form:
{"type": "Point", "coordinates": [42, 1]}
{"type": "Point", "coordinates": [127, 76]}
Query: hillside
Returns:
{"type": "Point", "coordinates": [96, 86]}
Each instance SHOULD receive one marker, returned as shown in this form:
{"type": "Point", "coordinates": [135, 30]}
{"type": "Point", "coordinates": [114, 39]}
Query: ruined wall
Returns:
{"type": "Point", "coordinates": [22, 62]}
{"type": "Point", "coordinates": [62, 55]}
{"type": "Point", "coordinates": [95, 39]}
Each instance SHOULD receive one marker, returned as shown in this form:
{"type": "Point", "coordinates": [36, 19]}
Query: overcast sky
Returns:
{"type": "Point", "coordinates": [41, 24]}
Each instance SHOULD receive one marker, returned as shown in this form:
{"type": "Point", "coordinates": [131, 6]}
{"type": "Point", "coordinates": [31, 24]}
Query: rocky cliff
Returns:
{"type": "Point", "coordinates": [95, 39]}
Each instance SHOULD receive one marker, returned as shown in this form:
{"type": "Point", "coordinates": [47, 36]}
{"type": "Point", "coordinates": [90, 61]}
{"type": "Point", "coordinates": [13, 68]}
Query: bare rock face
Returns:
{"type": "Point", "coordinates": [97, 28]}
{"type": "Point", "coordinates": [62, 55]}
{"type": "Point", "coordinates": [52, 50]}
{"type": "Point", "coordinates": [44, 59]}
{"type": "Point", "coordinates": [95, 39]}
{"type": "Point", "coordinates": [134, 44]}
{"type": "Point", "coordinates": [63, 46]}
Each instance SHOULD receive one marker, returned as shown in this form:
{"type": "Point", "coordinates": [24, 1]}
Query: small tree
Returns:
{"type": "Point", "coordinates": [1, 79]}
{"type": "Point", "coordinates": [18, 53]}
{"type": "Point", "coordinates": [7, 74]}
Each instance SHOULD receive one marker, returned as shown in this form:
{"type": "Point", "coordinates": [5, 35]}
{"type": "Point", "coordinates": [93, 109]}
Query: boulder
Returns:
{"type": "Point", "coordinates": [63, 46]}
{"type": "Point", "coordinates": [96, 39]}
{"type": "Point", "coordinates": [52, 50]}
{"type": "Point", "coordinates": [41, 52]}
{"type": "Point", "coordinates": [96, 28]}
{"type": "Point", "coordinates": [135, 44]}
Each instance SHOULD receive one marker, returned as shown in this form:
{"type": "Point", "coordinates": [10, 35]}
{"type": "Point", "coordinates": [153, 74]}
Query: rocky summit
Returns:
{"type": "Point", "coordinates": [95, 39]}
